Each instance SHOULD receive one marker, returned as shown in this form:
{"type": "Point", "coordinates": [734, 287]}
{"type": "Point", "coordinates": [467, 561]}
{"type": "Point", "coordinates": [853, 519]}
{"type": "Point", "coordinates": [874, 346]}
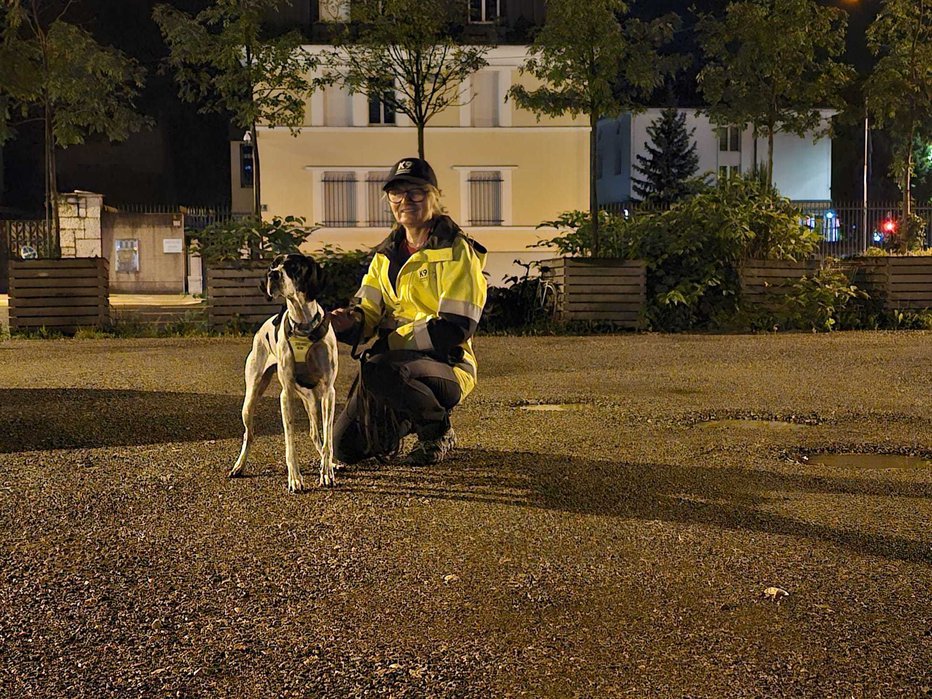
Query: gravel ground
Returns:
{"type": "Point", "coordinates": [620, 547]}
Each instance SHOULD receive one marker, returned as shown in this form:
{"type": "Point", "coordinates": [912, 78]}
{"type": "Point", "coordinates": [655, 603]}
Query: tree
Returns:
{"type": "Point", "coordinates": [590, 63]}
{"type": "Point", "coordinates": [771, 64]}
{"type": "Point", "coordinates": [223, 60]}
{"type": "Point", "coordinates": [671, 161]}
{"type": "Point", "coordinates": [899, 90]}
{"type": "Point", "coordinates": [54, 72]}
{"type": "Point", "coordinates": [401, 52]}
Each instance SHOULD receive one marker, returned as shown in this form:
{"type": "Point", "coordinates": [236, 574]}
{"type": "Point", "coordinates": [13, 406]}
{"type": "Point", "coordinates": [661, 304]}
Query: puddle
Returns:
{"type": "Point", "coordinates": [869, 461]}
{"type": "Point", "coordinates": [551, 407]}
{"type": "Point", "coordinates": [754, 424]}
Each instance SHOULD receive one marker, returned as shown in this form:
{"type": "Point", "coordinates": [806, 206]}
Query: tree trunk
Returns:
{"type": "Point", "coordinates": [770, 157]}
{"type": "Point", "coordinates": [906, 225]}
{"type": "Point", "coordinates": [52, 219]}
{"type": "Point", "coordinates": [420, 140]}
{"type": "Point", "coordinates": [593, 192]}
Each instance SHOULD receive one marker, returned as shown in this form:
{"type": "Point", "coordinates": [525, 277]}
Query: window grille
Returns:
{"type": "Point", "coordinates": [339, 199]}
{"type": "Point", "coordinates": [485, 198]}
{"type": "Point", "coordinates": [379, 213]}
{"type": "Point", "coordinates": [482, 11]}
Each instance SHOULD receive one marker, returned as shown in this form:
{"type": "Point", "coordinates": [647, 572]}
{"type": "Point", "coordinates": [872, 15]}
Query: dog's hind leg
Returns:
{"type": "Point", "coordinates": [257, 380]}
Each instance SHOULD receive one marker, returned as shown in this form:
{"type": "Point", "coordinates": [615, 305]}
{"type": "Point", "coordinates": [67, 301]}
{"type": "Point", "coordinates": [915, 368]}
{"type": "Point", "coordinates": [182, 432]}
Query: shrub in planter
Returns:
{"type": "Point", "coordinates": [825, 301]}
{"type": "Point", "coordinates": [345, 270]}
{"type": "Point", "coordinates": [693, 249]}
{"type": "Point", "coordinates": [238, 241]}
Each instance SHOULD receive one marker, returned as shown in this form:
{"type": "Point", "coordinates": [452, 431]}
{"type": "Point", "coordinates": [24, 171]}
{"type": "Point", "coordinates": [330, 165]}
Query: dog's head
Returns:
{"type": "Point", "coordinates": [290, 275]}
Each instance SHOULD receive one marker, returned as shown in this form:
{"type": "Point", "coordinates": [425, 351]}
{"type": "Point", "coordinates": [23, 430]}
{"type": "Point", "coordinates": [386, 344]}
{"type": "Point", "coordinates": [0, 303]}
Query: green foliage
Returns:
{"type": "Point", "coordinates": [693, 250]}
{"type": "Point", "coordinates": [773, 65]}
{"type": "Point", "coordinates": [402, 52]}
{"type": "Point", "coordinates": [823, 301]}
{"type": "Point", "coordinates": [899, 88]}
{"type": "Point", "coordinates": [577, 238]}
{"type": "Point", "coordinates": [594, 60]}
{"type": "Point", "coordinates": [57, 73]}
{"type": "Point", "coordinates": [671, 161]}
{"type": "Point", "coordinates": [907, 320]}
{"type": "Point", "coordinates": [222, 59]}
{"type": "Point", "coordinates": [241, 240]}
{"type": "Point", "coordinates": [345, 270]}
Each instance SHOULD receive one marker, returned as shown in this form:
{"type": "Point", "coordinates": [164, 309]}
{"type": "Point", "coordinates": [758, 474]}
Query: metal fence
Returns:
{"type": "Point", "coordinates": [846, 228]}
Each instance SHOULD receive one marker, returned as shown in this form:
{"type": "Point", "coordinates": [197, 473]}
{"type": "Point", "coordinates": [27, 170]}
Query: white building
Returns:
{"type": "Point", "coordinates": [802, 167]}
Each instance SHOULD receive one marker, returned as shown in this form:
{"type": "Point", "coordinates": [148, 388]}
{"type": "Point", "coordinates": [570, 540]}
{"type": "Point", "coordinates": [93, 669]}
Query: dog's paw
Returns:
{"type": "Point", "coordinates": [295, 484]}
{"type": "Point", "coordinates": [235, 471]}
{"type": "Point", "coordinates": [326, 478]}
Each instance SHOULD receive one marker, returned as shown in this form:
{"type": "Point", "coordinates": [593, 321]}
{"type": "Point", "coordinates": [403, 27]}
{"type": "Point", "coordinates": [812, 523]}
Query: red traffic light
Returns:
{"type": "Point", "coordinates": [889, 226]}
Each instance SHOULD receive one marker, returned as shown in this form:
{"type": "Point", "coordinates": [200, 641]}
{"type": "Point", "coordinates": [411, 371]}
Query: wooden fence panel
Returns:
{"type": "Point", "coordinates": [599, 289]}
{"type": "Point", "coordinates": [904, 283]}
{"type": "Point", "coordinates": [61, 295]}
{"type": "Point", "coordinates": [766, 282]}
{"type": "Point", "coordinates": [234, 297]}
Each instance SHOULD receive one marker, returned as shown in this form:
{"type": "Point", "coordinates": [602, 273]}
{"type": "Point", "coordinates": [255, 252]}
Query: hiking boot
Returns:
{"type": "Point", "coordinates": [432, 451]}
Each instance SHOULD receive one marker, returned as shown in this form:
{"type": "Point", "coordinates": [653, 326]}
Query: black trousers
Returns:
{"type": "Point", "coordinates": [420, 390]}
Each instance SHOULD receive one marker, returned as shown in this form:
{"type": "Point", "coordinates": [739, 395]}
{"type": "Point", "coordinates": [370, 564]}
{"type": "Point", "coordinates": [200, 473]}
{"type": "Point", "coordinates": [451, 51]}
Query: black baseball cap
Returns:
{"type": "Point", "coordinates": [412, 170]}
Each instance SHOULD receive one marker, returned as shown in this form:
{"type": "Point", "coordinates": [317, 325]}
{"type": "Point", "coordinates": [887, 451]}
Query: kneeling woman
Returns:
{"type": "Point", "coordinates": [423, 296]}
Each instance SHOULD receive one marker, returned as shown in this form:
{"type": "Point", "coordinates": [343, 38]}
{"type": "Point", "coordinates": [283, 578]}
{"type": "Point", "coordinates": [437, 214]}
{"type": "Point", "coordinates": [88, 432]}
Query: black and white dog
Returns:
{"type": "Point", "coordinates": [300, 346]}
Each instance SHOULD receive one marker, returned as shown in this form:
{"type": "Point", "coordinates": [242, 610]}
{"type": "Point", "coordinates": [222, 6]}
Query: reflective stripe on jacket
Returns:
{"type": "Point", "coordinates": [436, 302]}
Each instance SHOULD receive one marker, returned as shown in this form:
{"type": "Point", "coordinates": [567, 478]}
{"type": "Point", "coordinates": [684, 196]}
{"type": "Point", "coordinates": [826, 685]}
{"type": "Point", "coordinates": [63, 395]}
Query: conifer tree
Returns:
{"type": "Point", "coordinates": [671, 161]}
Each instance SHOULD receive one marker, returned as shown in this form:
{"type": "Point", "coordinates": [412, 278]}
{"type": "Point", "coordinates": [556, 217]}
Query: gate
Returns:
{"type": "Point", "coordinates": [23, 239]}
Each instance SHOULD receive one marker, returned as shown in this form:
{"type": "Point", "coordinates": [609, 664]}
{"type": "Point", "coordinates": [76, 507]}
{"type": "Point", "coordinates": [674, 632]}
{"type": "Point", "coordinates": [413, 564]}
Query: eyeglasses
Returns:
{"type": "Point", "coordinates": [396, 196]}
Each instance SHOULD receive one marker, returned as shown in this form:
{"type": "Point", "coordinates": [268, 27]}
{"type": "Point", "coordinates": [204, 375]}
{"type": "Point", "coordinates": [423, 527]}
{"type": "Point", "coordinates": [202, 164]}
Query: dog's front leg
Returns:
{"type": "Point", "coordinates": [321, 412]}
{"type": "Point", "coordinates": [295, 482]}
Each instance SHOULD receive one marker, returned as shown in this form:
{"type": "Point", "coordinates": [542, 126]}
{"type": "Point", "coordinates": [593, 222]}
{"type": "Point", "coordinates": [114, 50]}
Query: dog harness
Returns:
{"type": "Point", "coordinates": [301, 337]}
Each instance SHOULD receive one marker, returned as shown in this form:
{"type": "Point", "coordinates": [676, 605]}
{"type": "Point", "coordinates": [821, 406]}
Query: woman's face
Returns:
{"type": "Point", "coordinates": [409, 205]}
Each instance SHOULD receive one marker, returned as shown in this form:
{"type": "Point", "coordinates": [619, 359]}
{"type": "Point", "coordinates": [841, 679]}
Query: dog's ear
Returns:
{"type": "Point", "coordinates": [264, 286]}
{"type": "Point", "coordinates": [313, 278]}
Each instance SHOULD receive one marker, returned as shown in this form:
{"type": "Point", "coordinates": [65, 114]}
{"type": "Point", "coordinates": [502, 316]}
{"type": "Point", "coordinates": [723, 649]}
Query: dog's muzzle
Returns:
{"type": "Point", "coordinates": [273, 283]}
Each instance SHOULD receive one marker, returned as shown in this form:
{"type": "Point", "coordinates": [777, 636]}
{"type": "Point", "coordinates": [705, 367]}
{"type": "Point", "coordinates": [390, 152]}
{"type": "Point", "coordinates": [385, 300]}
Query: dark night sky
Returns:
{"type": "Point", "coordinates": [185, 159]}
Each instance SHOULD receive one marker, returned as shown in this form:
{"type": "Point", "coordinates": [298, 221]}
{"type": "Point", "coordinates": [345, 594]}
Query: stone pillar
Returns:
{"type": "Point", "coordinates": [79, 216]}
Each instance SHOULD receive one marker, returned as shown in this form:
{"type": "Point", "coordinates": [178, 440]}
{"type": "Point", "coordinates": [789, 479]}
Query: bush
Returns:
{"type": "Point", "coordinates": [240, 240]}
{"type": "Point", "coordinates": [693, 249]}
{"type": "Point", "coordinates": [822, 302]}
{"type": "Point", "coordinates": [345, 270]}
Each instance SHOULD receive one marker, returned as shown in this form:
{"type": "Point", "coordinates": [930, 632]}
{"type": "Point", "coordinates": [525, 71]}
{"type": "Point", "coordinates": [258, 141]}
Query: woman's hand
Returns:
{"type": "Point", "coordinates": [343, 319]}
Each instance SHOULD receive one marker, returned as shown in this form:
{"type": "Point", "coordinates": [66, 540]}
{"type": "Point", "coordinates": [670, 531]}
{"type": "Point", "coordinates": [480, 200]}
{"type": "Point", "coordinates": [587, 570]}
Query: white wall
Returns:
{"type": "Point", "coordinates": [802, 167]}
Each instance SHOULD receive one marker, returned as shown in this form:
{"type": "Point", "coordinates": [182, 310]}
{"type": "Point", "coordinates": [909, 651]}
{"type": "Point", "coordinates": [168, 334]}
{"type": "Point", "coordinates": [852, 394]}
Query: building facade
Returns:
{"type": "Point", "coordinates": [802, 167]}
{"type": "Point", "coordinates": [500, 169]}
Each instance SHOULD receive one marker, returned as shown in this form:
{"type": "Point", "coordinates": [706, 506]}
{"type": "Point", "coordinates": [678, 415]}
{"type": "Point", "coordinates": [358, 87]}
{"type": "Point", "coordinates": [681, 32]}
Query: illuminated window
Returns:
{"type": "Point", "coordinates": [483, 11]}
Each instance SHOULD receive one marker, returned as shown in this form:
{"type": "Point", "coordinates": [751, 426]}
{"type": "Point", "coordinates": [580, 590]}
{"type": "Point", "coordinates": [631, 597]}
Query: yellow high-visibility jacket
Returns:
{"type": "Point", "coordinates": [436, 301]}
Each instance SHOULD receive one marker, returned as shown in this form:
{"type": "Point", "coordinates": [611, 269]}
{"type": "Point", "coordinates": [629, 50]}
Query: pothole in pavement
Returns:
{"type": "Point", "coordinates": [854, 460]}
{"type": "Point", "coordinates": [550, 407]}
{"type": "Point", "coordinates": [750, 424]}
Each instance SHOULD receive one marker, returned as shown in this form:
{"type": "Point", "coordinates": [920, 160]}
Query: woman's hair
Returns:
{"type": "Point", "coordinates": [434, 204]}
